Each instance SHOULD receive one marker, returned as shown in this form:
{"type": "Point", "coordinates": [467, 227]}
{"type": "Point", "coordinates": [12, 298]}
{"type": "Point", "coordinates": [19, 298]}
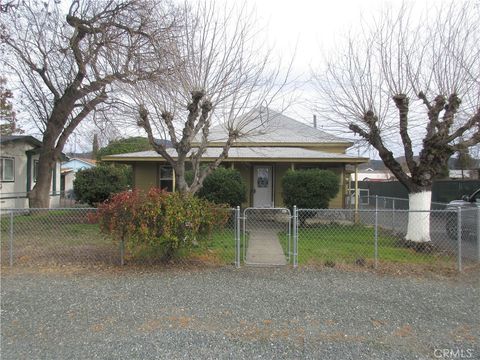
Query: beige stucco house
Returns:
{"type": "Point", "coordinates": [18, 170]}
{"type": "Point", "coordinates": [271, 144]}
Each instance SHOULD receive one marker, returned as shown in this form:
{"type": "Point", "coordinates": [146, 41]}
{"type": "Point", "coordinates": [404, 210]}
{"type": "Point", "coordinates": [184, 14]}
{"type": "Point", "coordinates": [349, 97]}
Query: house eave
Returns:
{"type": "Point", "coordinates": [345, 144]}
{"type": "Point", "coordinates": [242, 160]}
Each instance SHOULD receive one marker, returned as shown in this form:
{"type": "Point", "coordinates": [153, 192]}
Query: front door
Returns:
{"type": "Point", "coordinates": [262, 186]}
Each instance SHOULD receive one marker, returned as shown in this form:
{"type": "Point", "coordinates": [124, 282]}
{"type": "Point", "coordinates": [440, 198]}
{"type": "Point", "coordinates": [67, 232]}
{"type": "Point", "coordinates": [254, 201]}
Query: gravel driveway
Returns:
{"type": "Point", "coordinates": [247, 313]}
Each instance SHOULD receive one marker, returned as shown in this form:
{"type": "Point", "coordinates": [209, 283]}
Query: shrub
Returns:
{"type": "Point", "coordinates": [122, 146]}
{"type": "Point", "coordinates": [309, 189]}
{"type": "Point", "coordinates": [95, 185]}
{"type": "Point", "coordinates": [159, 221]}
{"type": "Point", "coordinates": [224, 186]}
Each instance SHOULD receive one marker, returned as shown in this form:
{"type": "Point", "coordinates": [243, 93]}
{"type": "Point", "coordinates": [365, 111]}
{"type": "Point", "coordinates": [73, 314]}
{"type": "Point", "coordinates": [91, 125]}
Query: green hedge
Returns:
{"type": "Point", "coordinates": [95, 185]}
{"type": "Point", "coordinates": [309, 189]}
{"type": "Point", "coordinates": [224, 186]}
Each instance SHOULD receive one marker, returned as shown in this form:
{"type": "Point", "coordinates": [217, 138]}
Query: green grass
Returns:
{"type": "Point", "coordinates": [353, 243]}
{"type": "Point", "coordinates": [53, 228]}
{"type": "Point", "coordinates": [219, 246]}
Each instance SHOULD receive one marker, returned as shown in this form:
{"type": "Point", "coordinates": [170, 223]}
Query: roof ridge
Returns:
{"type": "Point", "coordinates": [304, 124]}
{"type": "Point", "coordinates": [280, 126]}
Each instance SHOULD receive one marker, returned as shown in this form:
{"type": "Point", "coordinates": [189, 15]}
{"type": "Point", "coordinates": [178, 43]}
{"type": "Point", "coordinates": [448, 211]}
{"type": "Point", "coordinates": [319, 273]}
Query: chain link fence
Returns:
{"type": "Point", "coordinates": [377, 238]}
{"type": "Point", "coordinates": [72, 236]}
{"type": "Point", "coordinates": [386, 202]}
{"type": "Point", "coordinates": [328, 237]}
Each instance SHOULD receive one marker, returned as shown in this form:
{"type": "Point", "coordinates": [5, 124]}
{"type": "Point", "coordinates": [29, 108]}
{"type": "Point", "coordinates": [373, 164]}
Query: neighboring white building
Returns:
{"type": "Point", "coordinates": [69, 170]}
{"type": "Point", "coordinates": [463, 174]}
{"type": "Point", "coordinates": [373, 175]}
{"type": "Point", "coordinates": [18, 171]}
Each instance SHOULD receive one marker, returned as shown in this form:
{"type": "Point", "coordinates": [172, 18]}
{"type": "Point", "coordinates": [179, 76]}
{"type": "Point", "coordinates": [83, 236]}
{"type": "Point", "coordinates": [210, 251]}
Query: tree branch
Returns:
{"type": "Point", "coordinates": [433, 116]}
{"type": "Point", "coordinates": [474, 139]}
{"type": "Point", "coordinates": [451, 110]}
{"type": "Point", "coordinates": [374, 138]}
{"type": "Point", "coordinates": [87, 108]}
{"type": "Point", "coordinates": [402, 102]}
{"type": "Point", "coordinates": [144, 122]}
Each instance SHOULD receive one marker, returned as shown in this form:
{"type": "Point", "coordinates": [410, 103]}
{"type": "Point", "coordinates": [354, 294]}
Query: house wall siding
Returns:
{"type": "Point", "coordinates": [14, 193]}
{"type": "Point", "coordinates": [337, 201]}
{"type": "Point", "coordinates": [145, 176]}
{"type": "Point", "coordinates": [246, 174]}
{"type": "Point", "coordinates": [69, 178]}
{"type": "Point", "coordinates": [280, 171]}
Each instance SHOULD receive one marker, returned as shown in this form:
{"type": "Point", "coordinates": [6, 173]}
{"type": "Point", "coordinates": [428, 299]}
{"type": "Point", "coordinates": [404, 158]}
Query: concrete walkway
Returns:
{"type": "Point", "coordinates": [264, 248]}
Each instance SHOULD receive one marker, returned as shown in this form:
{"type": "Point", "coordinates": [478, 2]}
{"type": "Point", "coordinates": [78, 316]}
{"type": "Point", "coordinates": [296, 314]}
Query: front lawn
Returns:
{"type": "Point", "coordinates": [217, 247]}
{"type": "Point", "coordinates": [55, 236]}
{"type": "Point", "coordinates": [335, 243]}
{"type": "Point", "coordinates": [67, 236]}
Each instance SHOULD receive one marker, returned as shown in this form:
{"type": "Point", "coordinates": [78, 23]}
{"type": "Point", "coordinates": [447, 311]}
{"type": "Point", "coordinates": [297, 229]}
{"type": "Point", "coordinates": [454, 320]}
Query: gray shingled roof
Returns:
{"type": "Point", "coordinates": [240, 153]}
{"type": "Point", "coordinates": [26, 138]}
{"type": "Point", "coordinates": [268, 126]}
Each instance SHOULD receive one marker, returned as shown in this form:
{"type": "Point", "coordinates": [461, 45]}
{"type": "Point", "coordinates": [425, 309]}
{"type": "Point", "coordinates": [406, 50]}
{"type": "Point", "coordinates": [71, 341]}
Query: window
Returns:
{"type": "Point", "coordinates": [35, 170]}
{"type": "Point", "coordinates": [166, 178]}
{"type": "Point", "coordinates": [262, 177]}
{"type": "Point", "coordinates": [7, 169]}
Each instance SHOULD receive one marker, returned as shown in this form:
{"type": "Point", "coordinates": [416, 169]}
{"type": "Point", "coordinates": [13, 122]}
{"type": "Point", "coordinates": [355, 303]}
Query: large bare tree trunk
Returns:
{"type": "Point", "coordinates": [39, 196]}
{"type": "Point", "coordinates": [180, 184]}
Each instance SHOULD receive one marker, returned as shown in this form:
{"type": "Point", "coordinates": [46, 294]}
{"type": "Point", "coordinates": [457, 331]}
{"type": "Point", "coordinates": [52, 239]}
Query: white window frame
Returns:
{"type": "Point", "coordinates": [2, 179]}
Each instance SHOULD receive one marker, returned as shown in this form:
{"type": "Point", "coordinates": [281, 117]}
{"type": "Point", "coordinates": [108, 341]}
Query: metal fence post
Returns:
{"type": "Point", "coordinates": [10, 246]}
{"type": "Point", "coordinates": [244, 232]}
{"type": "Point", "coordinates": [393, 214]}
{"type": "Point", "coordinates": [122, 252]}
{"type": "Point", "coordinates": [459, 237]}
{"type": "Point", "coordinates": [295, 236]}
{"type": "Point", "coordinates": [237, 236]}
{"type": "Point", "coordinates": [478, 234]}
{"type": "Point", "coordinates": [376, 231]}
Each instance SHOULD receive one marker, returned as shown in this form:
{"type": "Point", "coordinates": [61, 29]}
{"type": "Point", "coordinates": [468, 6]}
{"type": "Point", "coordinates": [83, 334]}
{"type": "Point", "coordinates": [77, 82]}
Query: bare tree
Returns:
{"type": "Point", "coordinates": [8, 120]}
{"type": "Point", "coordinates": [224, 77]}
{"type": "Point", "coordinates": [66, 64]}
{"type": "Point", "coordinates": [412, 79]}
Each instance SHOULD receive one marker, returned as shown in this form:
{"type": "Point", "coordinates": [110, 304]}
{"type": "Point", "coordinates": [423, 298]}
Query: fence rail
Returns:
{"type": "Point", "coordinates": [370, 237]}
{"type": "Point", "coordinates": [387, 202]}
{"type": "Point", "coordinates": [59, 199]}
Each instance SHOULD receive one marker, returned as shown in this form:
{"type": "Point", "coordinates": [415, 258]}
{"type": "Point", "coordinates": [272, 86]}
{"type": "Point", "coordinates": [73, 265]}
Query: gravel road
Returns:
{"type": "Point", "coordinates": [249, 313]}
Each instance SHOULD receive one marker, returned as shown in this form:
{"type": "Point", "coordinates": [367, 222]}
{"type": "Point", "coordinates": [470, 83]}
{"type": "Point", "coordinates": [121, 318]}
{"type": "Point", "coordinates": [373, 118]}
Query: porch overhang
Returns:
{"type": "Point", "coordinates": [249, 154]}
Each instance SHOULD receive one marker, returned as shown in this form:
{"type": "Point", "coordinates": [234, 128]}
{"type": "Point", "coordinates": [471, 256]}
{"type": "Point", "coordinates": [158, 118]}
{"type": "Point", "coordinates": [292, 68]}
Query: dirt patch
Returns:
{"type": "Point", "coordinates": [469, 273]}
{"type": "Point", "coordinates": [403, 331]}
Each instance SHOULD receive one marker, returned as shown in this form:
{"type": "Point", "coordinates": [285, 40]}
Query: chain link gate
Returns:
{"type": "Point", "coordinates": [265, 237]}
